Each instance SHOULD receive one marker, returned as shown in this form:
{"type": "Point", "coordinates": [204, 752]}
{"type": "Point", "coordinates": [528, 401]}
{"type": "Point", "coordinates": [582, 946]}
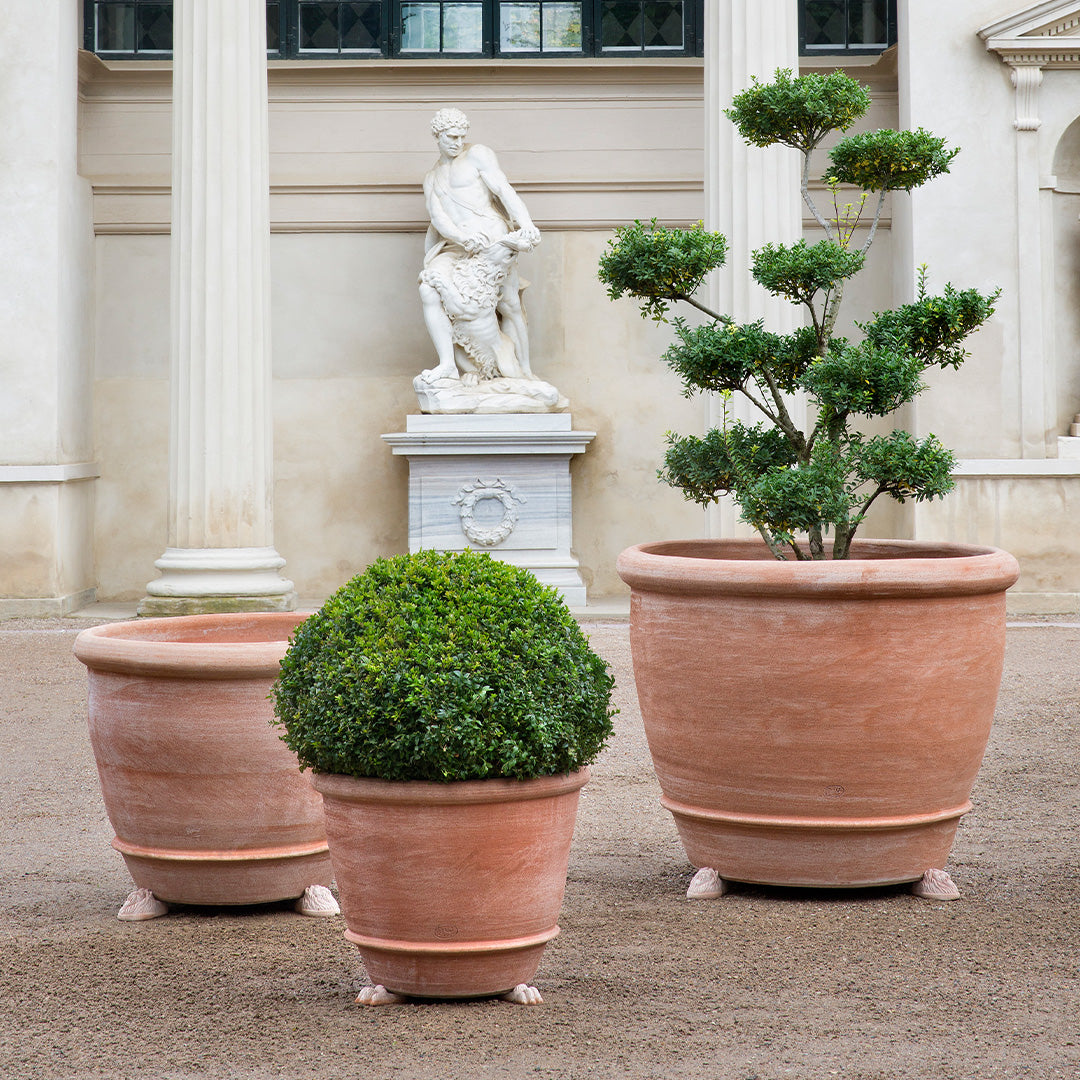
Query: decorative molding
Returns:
{"type": "Point", "coordinates": [1027, 78]}
{"type": "Point", "coordinates": [410, 81]}
{"type": "Point", "coordinates": [1015, 468]}
{"type": "Point", "coordinates": [145, 209]}
{"type": "Point", "coordinates": [497, 490]}
{"type": "Point", "coordinates": [1044, 35]}
{"type": "Point", "coordinates": [1047, 18]}
{"type": "Point", "coordinates": [49, 474]}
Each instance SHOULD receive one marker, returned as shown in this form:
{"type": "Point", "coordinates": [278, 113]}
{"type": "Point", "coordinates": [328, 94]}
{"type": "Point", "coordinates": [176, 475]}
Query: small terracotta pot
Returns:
{"type": "Point", "coordinates": [817, 723]}
{"type": "Point", "coordinates": [450, 890]}
{"type": "Point", "coordinates": [208, 804]}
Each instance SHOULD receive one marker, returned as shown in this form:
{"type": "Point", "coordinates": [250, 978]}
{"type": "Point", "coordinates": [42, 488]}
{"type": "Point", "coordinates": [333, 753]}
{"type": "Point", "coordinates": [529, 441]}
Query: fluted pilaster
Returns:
{"type": "Point", "coordinates": [751, 193]}
{"type": "Point", "coordinates": [220, 551]}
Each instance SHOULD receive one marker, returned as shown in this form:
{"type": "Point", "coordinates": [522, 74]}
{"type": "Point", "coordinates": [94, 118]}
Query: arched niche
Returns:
{"type": "Point", "coordinates": [1067, 160]}
{"type": "Point", "coordinates": [1066, 293]}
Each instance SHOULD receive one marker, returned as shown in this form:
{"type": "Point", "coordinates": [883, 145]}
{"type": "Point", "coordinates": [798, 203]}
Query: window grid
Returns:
{"type": "Point", "coordinates": [319, 29]}
{"type": "Point", "coordinates": [846, 26]}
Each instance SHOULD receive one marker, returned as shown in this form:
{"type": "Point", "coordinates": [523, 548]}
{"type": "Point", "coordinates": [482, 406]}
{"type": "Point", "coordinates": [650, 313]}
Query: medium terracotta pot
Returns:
{"type": "Point", "coordinates": [450, 890]}
{"type": "Point", "coordinates": [817, 723]}
{"type": "Point", "coordinates": [208, 804]}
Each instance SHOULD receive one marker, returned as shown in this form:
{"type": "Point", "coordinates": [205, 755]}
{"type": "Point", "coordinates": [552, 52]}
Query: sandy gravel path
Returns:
{"type": "Point", "coordinates": [763, 983]}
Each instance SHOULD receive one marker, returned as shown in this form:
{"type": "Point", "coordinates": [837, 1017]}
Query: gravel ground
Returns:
{"type": "Point", "coordinates": [763, 983]}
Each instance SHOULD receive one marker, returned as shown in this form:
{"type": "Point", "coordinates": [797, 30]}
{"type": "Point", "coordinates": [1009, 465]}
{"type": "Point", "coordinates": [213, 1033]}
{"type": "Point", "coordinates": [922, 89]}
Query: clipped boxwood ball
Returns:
{"type": "Point", "coordinates": [436, 666]}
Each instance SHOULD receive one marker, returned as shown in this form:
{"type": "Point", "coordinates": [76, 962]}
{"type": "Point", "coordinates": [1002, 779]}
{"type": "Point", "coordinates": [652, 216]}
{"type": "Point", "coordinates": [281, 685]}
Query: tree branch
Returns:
{"type": "Point", "coordinates": [701, 307]}
{"type": "Point", "coordinates": [805, 188]}
{"type": "Point", "coordinates": [873, 227]}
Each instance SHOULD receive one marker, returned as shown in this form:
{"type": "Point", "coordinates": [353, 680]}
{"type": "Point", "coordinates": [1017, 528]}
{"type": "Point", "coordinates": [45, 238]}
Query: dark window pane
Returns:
{"type": "Point", "coordinates": [464, 27]}
{"type": "Point", "coordinates": [867, 24]}
{"type": "Point", "coordinates": [155, 28]}
{"type": "Point", "coordinates": [319, 27]}
{"type": "Point", "coordinates": [273, 27]}
{"type": "Point", "coordinates": [620, 24]}
{"type": "Point", "coordinates": [825, 23]}
{"type": "Point", "coordinates": [115, 28]}
{"type": "Point", "coordinates": [662, 25]}
{"type": "Point", "coordinates": [360, 26]}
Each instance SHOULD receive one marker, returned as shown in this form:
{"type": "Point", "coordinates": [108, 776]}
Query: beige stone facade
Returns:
{"type": "Point", "coordinates": [589, 144]}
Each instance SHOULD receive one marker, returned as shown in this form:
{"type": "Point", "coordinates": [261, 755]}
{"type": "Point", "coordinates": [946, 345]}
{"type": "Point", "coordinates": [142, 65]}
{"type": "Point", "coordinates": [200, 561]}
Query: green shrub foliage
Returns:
{"type": "Point", "coordinates": [797, 487]}
{"type": "Point", "coordinates": [435, 666]}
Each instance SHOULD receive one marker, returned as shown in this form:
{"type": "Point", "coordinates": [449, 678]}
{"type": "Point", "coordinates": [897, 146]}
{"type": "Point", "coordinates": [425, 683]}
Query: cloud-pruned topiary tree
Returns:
{"type": "Point", "coordinates": [797, 486]}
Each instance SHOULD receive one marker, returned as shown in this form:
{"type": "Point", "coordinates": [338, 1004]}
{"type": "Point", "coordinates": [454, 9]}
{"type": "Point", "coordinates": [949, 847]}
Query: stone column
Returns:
{"type": "Point", "coordinates": [220, 554]}
{"type": "Point", "coordinates": [47, 469]}
{"type": "Point", "coordinates": [1027, 78]}
{"type": "Point", "coordinates": [751, 194]}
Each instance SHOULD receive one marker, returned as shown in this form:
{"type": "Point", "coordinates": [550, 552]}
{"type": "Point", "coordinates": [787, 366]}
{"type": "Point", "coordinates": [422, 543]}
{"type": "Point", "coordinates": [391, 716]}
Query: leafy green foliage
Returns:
{"type": "Point", "coordinates": [890, 160]}
{"type": "Point", "coordinates": [798, 112]}
{"type": "Point", "coordinates": [803, 270]}
{"type": "Point", "coordinates": [724, 356]}
{"type": "Point", "coordinates": [659, 265]}
{"type": "Point", "coordinates": [905, 467]}
{"type": "Point", "coordinates": [932, 328]}
{"type": "Point", "coordinates": [794, 486]}
{"type": "Point", "coordinates": [434, 666]}
{"type": "Point", "coordinates": [799, 499]}
{"type": "Point", "coordinates": [863, 379]}
{"type": "Point", "coordinates": [724, 459]}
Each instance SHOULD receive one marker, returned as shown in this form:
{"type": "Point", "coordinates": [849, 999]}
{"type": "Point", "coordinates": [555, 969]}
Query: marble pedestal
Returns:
{"type": "Point", "coordinates": [496, 483]}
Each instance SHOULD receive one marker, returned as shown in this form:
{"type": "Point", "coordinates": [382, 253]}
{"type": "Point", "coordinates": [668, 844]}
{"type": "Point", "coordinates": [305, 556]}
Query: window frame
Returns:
{"type": "Point", "coordinates": [390, 31]}
{"type": "Point", "coordinates": [90, 27]}
{"type": "Point", "coordinates": [848, 50]}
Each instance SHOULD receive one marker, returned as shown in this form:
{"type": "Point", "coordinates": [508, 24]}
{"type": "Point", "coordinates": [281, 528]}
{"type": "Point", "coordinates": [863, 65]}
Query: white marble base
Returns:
{"type": "Point", "coordinates": [197, 580]}
{"type": "Point", "coordinates": [495, 483]}
{"type": "Point", "coordinates": [1068, 446]}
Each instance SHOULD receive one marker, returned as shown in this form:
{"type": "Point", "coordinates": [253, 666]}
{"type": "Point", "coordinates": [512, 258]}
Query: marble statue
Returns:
{"type": "Point", "coordinates": [469, 286]}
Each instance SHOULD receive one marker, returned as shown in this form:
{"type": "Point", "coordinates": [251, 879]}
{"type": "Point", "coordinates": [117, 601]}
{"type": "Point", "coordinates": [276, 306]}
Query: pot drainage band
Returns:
{"type": "Point", "coordinates": [762, 821]}
{"type": "Point", "coordinates": [297, 851]}
{"type": "Point", "coordinates": [451, 947]}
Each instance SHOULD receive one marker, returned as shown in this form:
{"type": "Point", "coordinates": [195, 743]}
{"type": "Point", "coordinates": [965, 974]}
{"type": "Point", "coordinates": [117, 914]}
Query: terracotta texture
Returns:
{"type": "Point", "coordinates": [817, 723]}
{"type": "Point", "coordinates": [450, 890]}
{"type": "Point", "coordinates": [208, 805]}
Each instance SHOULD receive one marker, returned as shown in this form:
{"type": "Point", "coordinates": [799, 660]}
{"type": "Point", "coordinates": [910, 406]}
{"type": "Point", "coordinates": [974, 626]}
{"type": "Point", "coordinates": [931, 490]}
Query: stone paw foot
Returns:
{"type": "Point", "coordinates": [706, 884]}
{"type": "Point", "coordinates": [935, 885]}
{"type": "Point", "coordinates": [318, 901]}
{"type": "Point", "coordinates": [141, 905]}
{"type": "Point", "coordinates": [378, 995]}
{"type": "Point", "coordinates": [523, 994]}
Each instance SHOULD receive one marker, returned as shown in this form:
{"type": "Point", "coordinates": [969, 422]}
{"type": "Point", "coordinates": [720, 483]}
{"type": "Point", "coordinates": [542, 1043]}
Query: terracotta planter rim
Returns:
{"type": "Point", "coordinates": [878, 568]}
{"type": "Point", "coordinates": [455, 793]}
{"type": "Point", "coordinates": [219, 646]}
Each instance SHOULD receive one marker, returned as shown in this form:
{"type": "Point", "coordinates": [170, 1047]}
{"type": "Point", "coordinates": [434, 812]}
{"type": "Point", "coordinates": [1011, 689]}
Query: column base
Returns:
{"type": "Point", "coordinates": [196, 581]}
{"type": "Point", "coordinates": [155, 606]}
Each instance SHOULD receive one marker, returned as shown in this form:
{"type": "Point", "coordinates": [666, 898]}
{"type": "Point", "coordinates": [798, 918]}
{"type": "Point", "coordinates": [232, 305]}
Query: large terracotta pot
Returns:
{"type": "Point", "coordinates": [450, 890]}
{"type": "Point", "coordinates": [817, 723]}
{"type": "Point", "coordinates": [208, 804]}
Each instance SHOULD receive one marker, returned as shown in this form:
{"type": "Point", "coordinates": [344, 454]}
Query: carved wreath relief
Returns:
{"type": "Point", "coordinates": [476, 492]}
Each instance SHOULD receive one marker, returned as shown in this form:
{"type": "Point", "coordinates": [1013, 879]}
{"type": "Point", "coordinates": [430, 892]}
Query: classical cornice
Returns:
{"type": "Point", "coordinates": [1045, 35]}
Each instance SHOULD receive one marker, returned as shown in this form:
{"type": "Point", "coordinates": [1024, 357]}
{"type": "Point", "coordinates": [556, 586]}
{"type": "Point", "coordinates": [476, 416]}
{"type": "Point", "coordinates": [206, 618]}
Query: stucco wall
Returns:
{"type": "Point", "coordinates": [46, 363]}
{"type": "Point", "coordinates": [587, 148]}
